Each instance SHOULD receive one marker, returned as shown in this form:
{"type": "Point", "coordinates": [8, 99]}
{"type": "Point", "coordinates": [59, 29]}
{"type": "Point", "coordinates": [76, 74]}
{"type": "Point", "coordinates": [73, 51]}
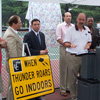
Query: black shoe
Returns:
{"type": "Point", "coordinates": [67, 91]}
{"type": "Point", "coordinates": [37, 98]}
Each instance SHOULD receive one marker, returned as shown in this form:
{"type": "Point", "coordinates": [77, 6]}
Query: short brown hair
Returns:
{"type": "Point", "coordinates": [13, 19]}
{"type": "Point", "coordinates": [34, 20]}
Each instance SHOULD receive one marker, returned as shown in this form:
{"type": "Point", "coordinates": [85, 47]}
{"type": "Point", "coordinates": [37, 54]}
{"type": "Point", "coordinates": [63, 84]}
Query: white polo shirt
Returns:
{"type": "Point", "coordinates": [79, 38]}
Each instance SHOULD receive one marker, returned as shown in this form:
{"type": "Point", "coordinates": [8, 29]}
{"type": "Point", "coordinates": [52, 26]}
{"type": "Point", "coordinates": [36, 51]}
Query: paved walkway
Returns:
{"type": "Point", "coordinates": [56, 96]}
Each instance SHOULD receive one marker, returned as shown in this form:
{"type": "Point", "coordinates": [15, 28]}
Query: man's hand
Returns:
{"type": "Point", "coordinates": [69, 45]}
{"type": "Point", "coordinates": [73, 46]}
{"type": "Point", "coordinates": [43, 51]}
{"type": "Point", "coordinates": [3, 44]}
{"type": "Point", "coordinates": [87, 45]}
{"type": "Point", "coordinates": [46, 51]}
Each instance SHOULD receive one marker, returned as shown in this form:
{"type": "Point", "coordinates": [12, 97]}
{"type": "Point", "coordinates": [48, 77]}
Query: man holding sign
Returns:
{"type": "Point", "coordinates": [36, 41]}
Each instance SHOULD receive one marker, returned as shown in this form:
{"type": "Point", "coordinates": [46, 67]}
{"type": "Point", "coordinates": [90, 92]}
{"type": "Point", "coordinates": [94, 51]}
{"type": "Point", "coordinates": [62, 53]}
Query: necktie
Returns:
{"type": "Point", "coordinates": [39, 38]}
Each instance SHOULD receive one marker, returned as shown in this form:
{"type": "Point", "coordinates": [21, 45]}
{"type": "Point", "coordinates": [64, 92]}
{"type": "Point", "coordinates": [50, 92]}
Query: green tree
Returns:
{"type": "Point", "coordinates": [12, 7]}
{"type": "Point", "coordinates": [88, 10]}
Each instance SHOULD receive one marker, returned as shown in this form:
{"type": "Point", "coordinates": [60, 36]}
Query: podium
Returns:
{"type": "Point", "coordinates": [97, 64]}
{"type": "Point", "coordinates": [89, 81]}
{"type": "Point", "coordinates": [88, 65]}
{"type": "Point", "coordinates": [88, 89]}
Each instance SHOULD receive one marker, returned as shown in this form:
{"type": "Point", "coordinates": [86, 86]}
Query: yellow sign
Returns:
{"type": "Point", "coordinates": [31, 76]}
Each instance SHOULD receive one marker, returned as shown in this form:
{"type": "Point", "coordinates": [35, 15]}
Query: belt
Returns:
{"type": "Point", "coordinates": [75, 54]}
{"type": "Point", "coordinates": [72, 53]}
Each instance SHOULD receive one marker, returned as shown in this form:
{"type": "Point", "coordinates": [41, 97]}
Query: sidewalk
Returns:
{"type": "Point", "coordinates": [56, 96]}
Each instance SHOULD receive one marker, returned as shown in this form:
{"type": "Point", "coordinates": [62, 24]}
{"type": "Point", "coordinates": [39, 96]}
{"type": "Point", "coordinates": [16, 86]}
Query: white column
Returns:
{"type": "Point", "coordinates": [0, 18]}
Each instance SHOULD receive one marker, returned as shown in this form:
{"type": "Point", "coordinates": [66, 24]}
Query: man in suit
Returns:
{"type": "Point", "coordinates": [14, 46]}
{"type": "Point", "coordinates": [94, 33]}
{"type": "Point", "coordinates": [36, 42]}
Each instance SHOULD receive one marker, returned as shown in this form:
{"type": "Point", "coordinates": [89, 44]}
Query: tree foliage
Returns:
{"type": "Point", "coordinates": [88, 10]}
{"type": "Point", "coordinates": [13, 7]}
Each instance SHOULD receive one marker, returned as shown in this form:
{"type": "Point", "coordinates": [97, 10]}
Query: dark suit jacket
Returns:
{"type": "Point", "coordinates": [94, 38]}
{"type": "Point", "coordinates": [33, 43]}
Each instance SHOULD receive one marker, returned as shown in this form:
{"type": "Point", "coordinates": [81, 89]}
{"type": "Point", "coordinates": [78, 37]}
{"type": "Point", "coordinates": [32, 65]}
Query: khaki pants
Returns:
{"type": "Point", "coordinates": [74, 66]}
{"type": "Point", "coordinates": [9, 90]}
{"type": "Point", "coordinates": [63, 70]}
